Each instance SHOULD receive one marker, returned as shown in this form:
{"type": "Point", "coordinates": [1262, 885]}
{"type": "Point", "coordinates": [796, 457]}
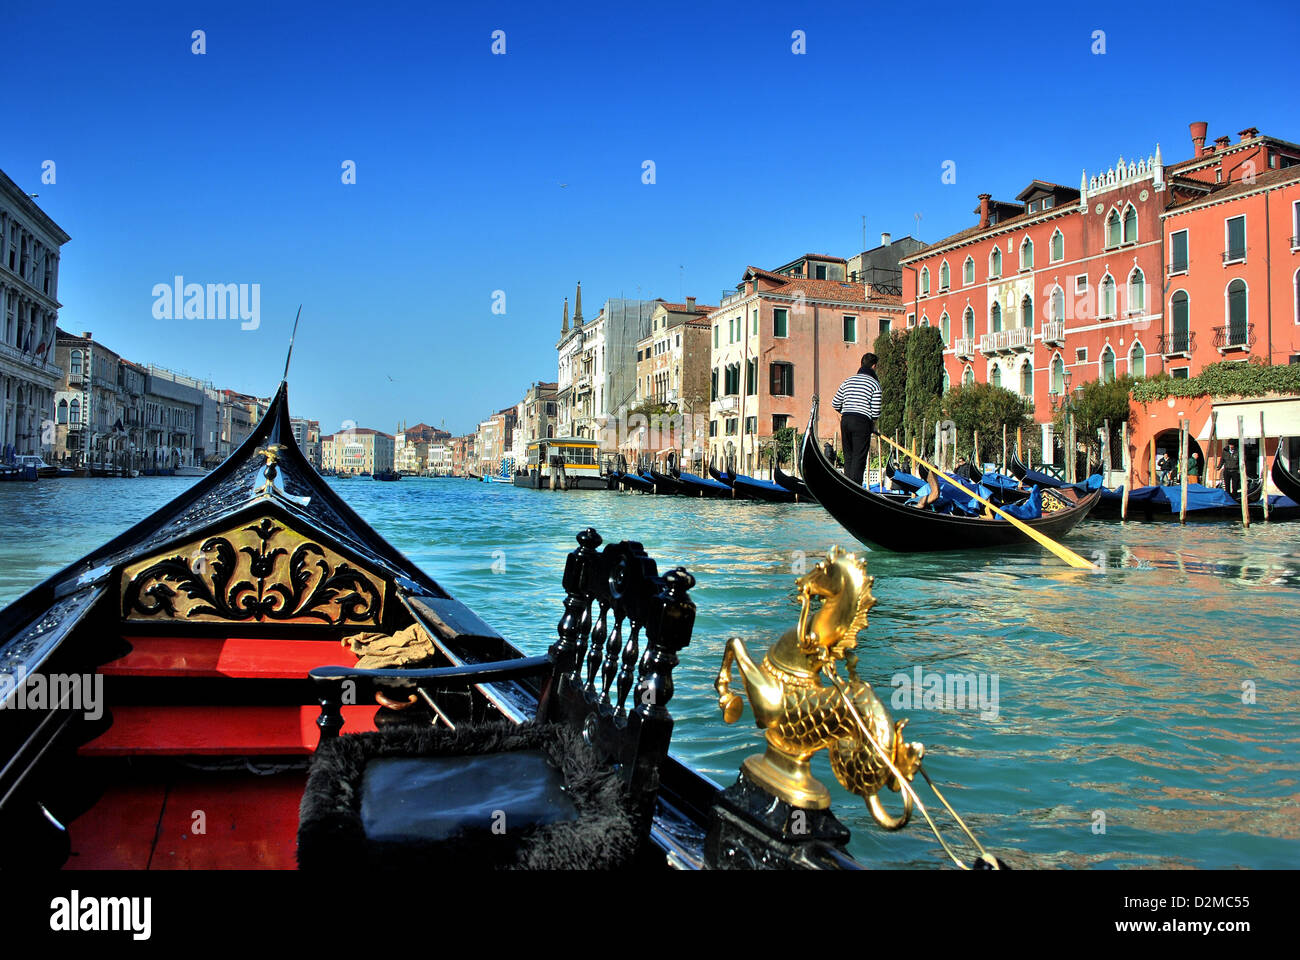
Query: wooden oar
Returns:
{"type": "Point", "coordinates": [1065, 553]}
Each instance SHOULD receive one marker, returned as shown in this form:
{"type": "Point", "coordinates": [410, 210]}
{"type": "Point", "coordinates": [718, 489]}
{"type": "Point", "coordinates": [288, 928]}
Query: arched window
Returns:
{"type": "Point", "coordinates": [944, 328]}
{"type": "Point", "coordinates": [925, 281]}
{"type": "Point", "coordinates": [1137, 360]}
{"type": "Point", "coordinates": [1027, 379]}
{"type": "Point", "coordinates": [74, 363]}
{"type": "Point", "coordinates": [995, 377]}
{"type": "Point", "coordinates": [1112, 229]}
{"type": "Point", "coordinates": [74, 411]}
{"type": "Point", "coordinates": [1237, 312]}
{"type": "Point", "coordinates": [1107, 295]}
{"type": "Point", "coordinates": [1027, 254]}
{"type": "Point", "coordinates": [1057, 251]}
{"type": "Point", "coordinates": [1180, 309]}
{"type": "Point", "coordinates": [1058, 375]}
{"type": "Point", "coordinates": [925, 321]}
{"type": "Point", "coordinates": [995, 318]}
{"type": "Point", "coordinates": [1107, 364]}
{"type": "Point", "coordinates": [63, 411]}
{"type": "Point", "coordinates": [968, 270]}
{"type": "Point", "coordinates": [945, 276]}
{"type": "Point", "coordinates": [995, 262]}
{"type": "Point", "coordinates": [1130, 224]}
{"type": "Point", "coordinates": [1137, 292]}
{"type": "Point", "coordinates": [968, 324]}
{"type": "Point", "coordinates": [1058, 304]}
{"type": "Point", "coordinates": [968, 377]}
{"type": "Point", "coordinates": [1027, 312]}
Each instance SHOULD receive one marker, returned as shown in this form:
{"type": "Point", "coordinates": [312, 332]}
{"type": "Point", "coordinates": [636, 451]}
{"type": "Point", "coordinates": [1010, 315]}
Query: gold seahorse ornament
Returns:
{"type": "Point", "coordinates": [804, 706]}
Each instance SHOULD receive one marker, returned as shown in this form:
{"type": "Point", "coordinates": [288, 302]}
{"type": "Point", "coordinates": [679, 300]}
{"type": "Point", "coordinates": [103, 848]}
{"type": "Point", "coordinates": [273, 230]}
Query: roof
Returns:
{"type": "Point", "coordinates": [1043, 185]}
{"type": "Point", "coordinates": [683, 308]}
{"type": "Point", "coordinates": [840, 290]}
{"type": "Point", "coordinates": [366, 432]}
{"type": "Point", "coordinates": [1226, 191]}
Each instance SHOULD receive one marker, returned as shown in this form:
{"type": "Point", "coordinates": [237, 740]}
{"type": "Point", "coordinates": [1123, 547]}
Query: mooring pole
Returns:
{"type": "Point", "coordinates": [1263, 466]}
{"type": "Point", "coordinates": [1241, 466]}
{"type": "Point", "coordinates": [1128, 470]}
{"type": "Point", "coordinates": [1182, 469]}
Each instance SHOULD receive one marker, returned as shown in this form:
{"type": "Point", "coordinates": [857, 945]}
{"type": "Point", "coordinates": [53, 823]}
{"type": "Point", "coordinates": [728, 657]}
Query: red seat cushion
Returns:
{"type": "Point", "coordinates": [247, 657]}
{"type": "Point", "coordinates": [218, 730]}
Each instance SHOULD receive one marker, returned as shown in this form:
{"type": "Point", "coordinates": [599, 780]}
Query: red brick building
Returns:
{"type": "Point", "coordinates": [1064, 285]}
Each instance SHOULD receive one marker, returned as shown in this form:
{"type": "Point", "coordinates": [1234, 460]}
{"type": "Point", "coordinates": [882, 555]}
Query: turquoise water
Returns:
{"type": "Point", "coordinates": [1119, 693]}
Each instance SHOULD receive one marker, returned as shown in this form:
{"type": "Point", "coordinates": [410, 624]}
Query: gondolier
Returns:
{"type": "Point", "coordinates": [858, 403]}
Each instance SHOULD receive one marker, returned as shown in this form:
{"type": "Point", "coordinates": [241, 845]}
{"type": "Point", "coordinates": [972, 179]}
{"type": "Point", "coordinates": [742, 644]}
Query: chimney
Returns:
{"type": "Point", "coordinates": [1249, 133]}
{"type": "Point", "coordinates": [87, 335]}
{"type": "Point", "coordinates": [1221, 143]}
{"type": "Point", "coordinates": [884, 239]}
{"type": "Point", "coordinates": [984, 209]}
{"type": "Point", "coordinates": [690, 304]}
{"type": "Point", "coordinates": [1198, 137]}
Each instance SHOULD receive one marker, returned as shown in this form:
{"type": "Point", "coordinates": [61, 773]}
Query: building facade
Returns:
{"type": "Point", "coordinates": [777, 340]}
{"type": "Point", "coordinates": [672, 373]}
{"type": "Point", "coordinates": [29, 308]}
{"type": "Point", "coordinates": [359, 450]}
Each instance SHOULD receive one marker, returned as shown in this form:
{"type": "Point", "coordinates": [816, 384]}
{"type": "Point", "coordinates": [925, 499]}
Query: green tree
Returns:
{"type": "Point", "coordinates": [1092, 405]}
{"type": "Point", "coordinates": [985, 408]}
{"type": "Point", "coordinates": [891, 369]}
{"type": "Point", "coordinates": [924, 371]}
{"type": "Point", "coordinates": [785, 441]}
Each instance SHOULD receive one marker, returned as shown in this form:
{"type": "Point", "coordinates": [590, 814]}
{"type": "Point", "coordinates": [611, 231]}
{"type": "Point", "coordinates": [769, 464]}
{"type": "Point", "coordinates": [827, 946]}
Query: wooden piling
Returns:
{"type": "Point", "coordinates": [975, 459]}
{"type": "Point", "coordinates": [1105, 449]}
{"type": "Point", "coordinates": [1019, 456]}
{"type": "Point", "coordinates": [1153, 475]}
{"type": "Point", "coordinates": [1212, 479]}
{"type": "Point", "coordinates": [1264, 472]}
{"type": "Point", "coordinates": [1182, 469]}
{"type": "Point", "coordinates": [1127, 465]}
{"type": "Point", "coordinates": [1003, 465]}
{"type": "Point", "coordinates": [1241, 465]}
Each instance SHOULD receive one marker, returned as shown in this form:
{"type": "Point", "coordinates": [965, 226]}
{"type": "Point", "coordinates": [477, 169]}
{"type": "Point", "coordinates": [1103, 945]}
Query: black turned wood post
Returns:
{"type": "Point", "coordinates": [580, 569]}
{"type": "Point", "coordinates": [668, 631]}
{"type": "Point", "coordinates": [329, 694]}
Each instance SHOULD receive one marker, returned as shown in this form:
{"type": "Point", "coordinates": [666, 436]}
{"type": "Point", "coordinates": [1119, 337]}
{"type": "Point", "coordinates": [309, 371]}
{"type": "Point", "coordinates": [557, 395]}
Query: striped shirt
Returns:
{"type": "Point", "coordinates": [859, 394]}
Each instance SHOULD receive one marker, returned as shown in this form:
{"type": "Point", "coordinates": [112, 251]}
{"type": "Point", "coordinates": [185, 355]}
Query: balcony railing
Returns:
{"type": "Point", "coordinates": [1177, 344]}
{"type": "Point", "coordinates": [1234, 336]}
{"type": "Point", "coordinates": [999, 342]}
{"type": "Point", "coordinates": [1021, 338]}
{"type": "Point", "coordinates": [1054, 331]}
{"type": "Point", "coordinates": [1234, 254]}
{"type": "Point", "coordinates": [1178, 266]}
{"type": "Point", "coordinates": [965, 347]}
{"type": "Point", "coordinates": [728, 403]}
{"type": "Point", "coordinates": [582, 384]}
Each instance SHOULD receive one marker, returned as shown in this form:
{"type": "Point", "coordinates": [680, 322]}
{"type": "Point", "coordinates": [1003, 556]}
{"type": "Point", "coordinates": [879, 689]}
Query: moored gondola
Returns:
{"type": "Point", "coordinates": [1286, 481]}
{"type": "Point", "coordinates": [888, 521]}
{"type": "Point", "coordinates": [751, 488]}
{"type": "Point", "coordinates": [794, 484]}
{"type": "Point", "coordinates": [702, 486]}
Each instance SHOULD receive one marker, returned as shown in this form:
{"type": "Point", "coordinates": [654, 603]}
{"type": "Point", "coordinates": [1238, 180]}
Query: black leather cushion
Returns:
{"type": "Point", "coordinates": [435, 798]}
{"type": "Point", "coordinates": [424, 799]}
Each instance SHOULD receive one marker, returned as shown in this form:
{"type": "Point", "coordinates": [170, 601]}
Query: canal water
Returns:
{"type": "Point", "coordinates": [1144, 716]}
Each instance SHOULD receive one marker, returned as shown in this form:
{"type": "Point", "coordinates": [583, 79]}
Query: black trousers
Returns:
{"type": "Point", "coordinates": [856, 430]}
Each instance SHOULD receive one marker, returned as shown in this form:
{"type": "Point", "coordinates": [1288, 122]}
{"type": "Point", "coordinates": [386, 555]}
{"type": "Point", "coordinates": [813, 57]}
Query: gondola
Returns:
{"type": "Point", "coordinates": [212, 625]}
{"type": "Point", "coordinates": [698, 486]}
{"type": "Point", "coordinates": [632, 481]}
{"type": "Point", "coordinates": [795, 485]}
{"type": "Point", "coordinates": [751, 488]}
{"type": "Point", "coordinates": [1285, 480]}
{"type": "Point", "coordinates": [887, 521]}
{"type": "Point", "coordinates": [665, 484]}
{"type": "Point", "coordinates": [722, 476]}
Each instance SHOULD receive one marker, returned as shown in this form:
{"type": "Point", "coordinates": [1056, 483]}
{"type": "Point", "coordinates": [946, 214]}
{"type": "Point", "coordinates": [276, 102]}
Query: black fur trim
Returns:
{"type": "Point", "coordinates": [331, 836]}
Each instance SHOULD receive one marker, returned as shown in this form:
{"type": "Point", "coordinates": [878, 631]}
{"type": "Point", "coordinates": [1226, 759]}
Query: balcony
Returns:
{"type": "Point", "coordinates": [582, 384]}
{"type": "Point", "coordinates": [1054, 332]}
{"type": "Point", "coordinates": [964, 348]}
{"type": "Point", "coordinates": [1234, 336]}
{"type": "Point", "coordinates": [727, 404]}
{"type": "Point", "coordinates": [991, 343]}
{"type": "Point", "coordinates": [1020, 339]}
{"type": "Point", "coordinates": [1176, 344]}
{"type": "Point", "coordinates": [1175, 268]}
{"type": "Point", "coordinates": [1234, 255]}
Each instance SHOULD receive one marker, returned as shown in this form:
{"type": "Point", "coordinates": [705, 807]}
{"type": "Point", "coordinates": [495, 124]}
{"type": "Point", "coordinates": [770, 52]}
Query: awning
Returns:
{"type": "Point", "coordinates": [1281, 418]}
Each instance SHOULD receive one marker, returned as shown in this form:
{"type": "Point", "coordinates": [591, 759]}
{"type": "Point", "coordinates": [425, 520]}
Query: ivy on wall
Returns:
{"type": "Point", "coordinates": [1226, 378]}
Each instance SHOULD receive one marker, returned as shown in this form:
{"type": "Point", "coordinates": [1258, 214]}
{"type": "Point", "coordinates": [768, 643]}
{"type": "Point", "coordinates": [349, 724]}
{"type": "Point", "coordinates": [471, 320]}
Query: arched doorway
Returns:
{"type": "Point", "coordinates": [1166, 444]}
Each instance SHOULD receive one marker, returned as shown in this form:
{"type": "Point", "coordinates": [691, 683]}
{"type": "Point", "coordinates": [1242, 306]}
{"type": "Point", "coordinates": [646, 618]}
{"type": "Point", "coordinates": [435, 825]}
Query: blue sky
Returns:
{"type": "Point", "coordinates": [226, 167]}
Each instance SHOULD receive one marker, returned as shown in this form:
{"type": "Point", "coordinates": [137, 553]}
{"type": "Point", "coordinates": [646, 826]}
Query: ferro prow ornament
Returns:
{"type": "Point", "coordinates": [803, 714]}
{"type": "Point", "coordinates": [804, 705]}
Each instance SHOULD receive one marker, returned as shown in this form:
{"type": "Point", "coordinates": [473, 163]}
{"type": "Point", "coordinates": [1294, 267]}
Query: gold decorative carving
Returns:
{"type": "Point", "coordinates": [259, 571]}
{"type": "Point", "coordinates": [802, 714]}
